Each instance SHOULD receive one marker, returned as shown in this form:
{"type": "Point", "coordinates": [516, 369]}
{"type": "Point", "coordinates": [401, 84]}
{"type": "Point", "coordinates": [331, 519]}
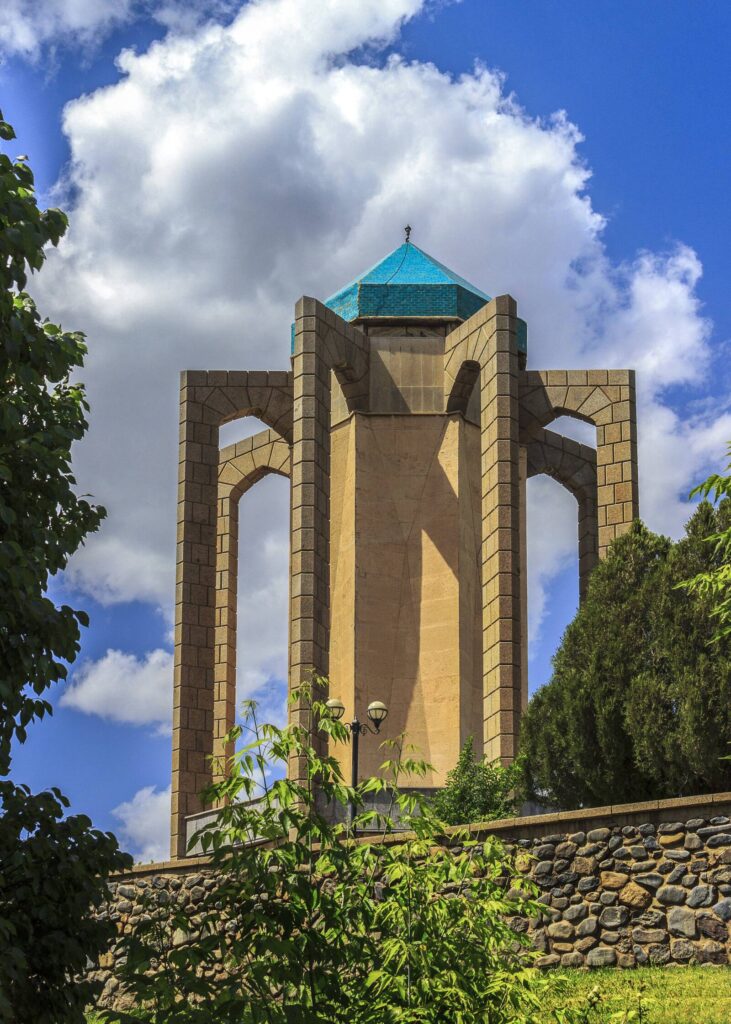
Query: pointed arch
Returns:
{"type": "Point", "coordinates": [574, 466]}
{"type": "Point", "coordinates": [240, 466]}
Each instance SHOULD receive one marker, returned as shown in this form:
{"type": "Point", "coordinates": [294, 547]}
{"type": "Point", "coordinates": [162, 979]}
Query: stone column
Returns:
{"type": "Point", "coordinates": [588, 538]}
{"type": "Point", "coordinates": [194, 604]}
{"type": "Point", "coordinates": [224, 672]}
{"type": "Point", "coordinates": [524, 578]}
{"type": "Point", "coordinates": [324, 343]}
{"type": "Point", "coordinates": [501, 561]}
{"type": "Point", "coordinates": [616, 458]}
{"type": "Point", "coordinates": [309, 575]}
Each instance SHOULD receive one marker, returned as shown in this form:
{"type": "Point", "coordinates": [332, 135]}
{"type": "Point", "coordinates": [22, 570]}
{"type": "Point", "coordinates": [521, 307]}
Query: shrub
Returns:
{"type": "Point", "coordinates": [303, 924]}
{"type": "Point", "coordinates": [477, 790]}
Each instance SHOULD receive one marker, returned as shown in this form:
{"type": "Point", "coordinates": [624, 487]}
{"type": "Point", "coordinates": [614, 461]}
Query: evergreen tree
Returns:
{"type": "Point", "coordinates": [716, 581]}
{"type": "Point", "coordinates": [639, 704]}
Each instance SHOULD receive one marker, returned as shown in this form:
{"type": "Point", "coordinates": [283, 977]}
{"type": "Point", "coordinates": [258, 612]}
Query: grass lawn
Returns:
{"type": "Point", "coordinates": [679, 995]}
{"type": "Point", "coordinates": [682, 995]}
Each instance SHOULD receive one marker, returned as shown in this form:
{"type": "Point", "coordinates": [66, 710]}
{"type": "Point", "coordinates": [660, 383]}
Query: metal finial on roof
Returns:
{"type": "Point", "coordinates": [407, 229]}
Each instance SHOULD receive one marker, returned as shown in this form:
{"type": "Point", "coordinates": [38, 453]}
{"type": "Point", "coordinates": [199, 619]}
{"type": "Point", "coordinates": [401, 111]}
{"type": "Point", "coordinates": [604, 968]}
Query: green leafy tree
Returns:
{"type": "Point", "coordinates": [639, 703]}
{"type": "Point", "coordinates": [715, 582]}
{"type": "Point", "coordinates": [477, 790]}
{"type": "Point", "coordinates": [52, 867]}
{"type": "Point", "coordinates": [303, 924]}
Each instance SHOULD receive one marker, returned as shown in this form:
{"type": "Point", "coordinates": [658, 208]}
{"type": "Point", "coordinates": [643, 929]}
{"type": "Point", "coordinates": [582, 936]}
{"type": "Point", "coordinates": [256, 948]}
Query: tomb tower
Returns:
{"type": "Point", "coordinates": [407, 425]}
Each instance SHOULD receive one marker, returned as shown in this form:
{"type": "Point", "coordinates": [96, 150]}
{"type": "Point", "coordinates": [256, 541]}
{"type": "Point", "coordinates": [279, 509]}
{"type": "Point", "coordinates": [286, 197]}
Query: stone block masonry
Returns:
{"type": "Point", "coordinates": [605, 398]}
{"type": "Point", "coordinates": [625, 886]}
{"type": "Point", "coordinates": [208, 399]}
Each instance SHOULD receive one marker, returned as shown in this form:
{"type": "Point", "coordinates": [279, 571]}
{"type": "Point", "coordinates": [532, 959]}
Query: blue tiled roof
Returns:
{"type": "Point", "coordinates": [411, 283]}
{"type": "Point", "coordinates": [407, 282]}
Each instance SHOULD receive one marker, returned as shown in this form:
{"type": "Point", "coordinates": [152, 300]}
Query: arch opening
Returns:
{"type": "Point", "coordinates": [463, 386]}
{"type": "Point", "coordinates": [239, 429]}
{"type": "Point", "coordinates": [263, 599]}
{"type": "Point", "coordinates": [553, 572]}
{"type": "Point", "coordinates": [576, 427]}
{"type": "Point", "coordinates": [257, 526]}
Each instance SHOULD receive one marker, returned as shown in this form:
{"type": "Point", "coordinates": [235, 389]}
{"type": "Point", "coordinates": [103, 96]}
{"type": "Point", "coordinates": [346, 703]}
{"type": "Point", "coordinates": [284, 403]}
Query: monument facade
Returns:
{"type": "Point", "coordinates": [407, 425]}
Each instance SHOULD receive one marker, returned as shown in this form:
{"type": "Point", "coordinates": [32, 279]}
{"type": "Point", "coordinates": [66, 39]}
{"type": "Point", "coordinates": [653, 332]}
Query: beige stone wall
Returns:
{"type": "Point", "coordinates": [406, 374]}
{"type": "Point", "coordinates": [409, 606]}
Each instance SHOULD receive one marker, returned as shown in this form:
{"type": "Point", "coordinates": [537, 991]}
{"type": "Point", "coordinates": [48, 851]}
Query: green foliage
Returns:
{"type": "Point", "coordinates": [41, 414]}
{"type": "Point", "coordinates": [304, 924]}
{"type": "Point", "coordinates": [476, 790]}
{"type": "Point", "coordinates": [639, 704]}
{"type": "Point", "coordinates": [715, 582]}
{"type": "Point", "coordinates": [52, 868]}
{"type": "Point", "coordinates": [50, 884]}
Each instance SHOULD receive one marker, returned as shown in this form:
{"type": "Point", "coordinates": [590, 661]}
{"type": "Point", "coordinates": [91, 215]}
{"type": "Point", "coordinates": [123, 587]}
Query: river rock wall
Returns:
{"type": "Point", "coordinates": [634, 894]}
{"type": "Point", "coordinates": [622, 886]}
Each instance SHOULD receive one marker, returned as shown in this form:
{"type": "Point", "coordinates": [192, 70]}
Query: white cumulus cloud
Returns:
{"type": "Point", "coordinates": [30, 28]}
{"type": "Point", "coordinates": [237, 167]}
{"type": "Point", "coordinates": [27, 25]}
{"type": "Point", "coordinates": [145, 825]}
{"type": "Point", "coordinates": [123, 688]}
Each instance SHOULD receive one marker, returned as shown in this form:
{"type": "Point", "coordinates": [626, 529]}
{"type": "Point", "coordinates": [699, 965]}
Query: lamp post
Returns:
{"type": "Point", "coordinates": [377, 712]}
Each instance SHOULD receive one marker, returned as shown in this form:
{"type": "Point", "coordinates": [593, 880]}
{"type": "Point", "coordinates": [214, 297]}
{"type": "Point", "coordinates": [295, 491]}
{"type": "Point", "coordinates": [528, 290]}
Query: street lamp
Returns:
{"type": "Point", "coordinates": [377, 712]}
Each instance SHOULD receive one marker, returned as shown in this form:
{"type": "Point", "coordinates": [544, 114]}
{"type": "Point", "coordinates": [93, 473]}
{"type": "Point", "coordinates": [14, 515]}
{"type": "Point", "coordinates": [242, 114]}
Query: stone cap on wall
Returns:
{"type": "Point", "coordinates": [706, 805]}
{"type": "Point", "coordinates": [655, 811]}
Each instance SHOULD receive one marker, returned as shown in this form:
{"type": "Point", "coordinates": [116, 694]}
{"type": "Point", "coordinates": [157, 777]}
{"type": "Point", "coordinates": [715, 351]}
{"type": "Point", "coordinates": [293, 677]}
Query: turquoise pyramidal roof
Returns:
{"type": "Point", "coordinates": [408, 283]}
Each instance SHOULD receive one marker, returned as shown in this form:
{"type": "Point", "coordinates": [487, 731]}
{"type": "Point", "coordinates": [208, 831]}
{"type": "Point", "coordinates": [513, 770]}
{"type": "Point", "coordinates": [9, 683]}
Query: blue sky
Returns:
{"type": "Point", "coordinates": [204, 201]}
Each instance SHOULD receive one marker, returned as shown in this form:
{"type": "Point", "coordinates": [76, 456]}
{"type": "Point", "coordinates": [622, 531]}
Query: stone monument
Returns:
{"type": "Point", "coordinates": [407, 425]}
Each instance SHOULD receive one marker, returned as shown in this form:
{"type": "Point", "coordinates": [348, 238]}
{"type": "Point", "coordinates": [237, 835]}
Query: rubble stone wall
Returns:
{"type": "Point", "coordinates": [626, 895]}
{"type": "Point", "coordinates": [622, 886]}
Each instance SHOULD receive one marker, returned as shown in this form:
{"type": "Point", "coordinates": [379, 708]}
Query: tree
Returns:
{"type": "Point", "coordinates": [302, 924]}
{"type": "Point", "coordinates": [52, 868]}
{"type": "Point", "coordinates": [639, 703]}
{"type": "Point", "coordinates": [715, 583]}
{"type": "Point", "coordinates": [476, 790]}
